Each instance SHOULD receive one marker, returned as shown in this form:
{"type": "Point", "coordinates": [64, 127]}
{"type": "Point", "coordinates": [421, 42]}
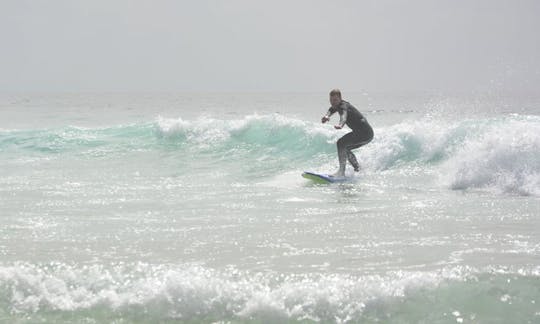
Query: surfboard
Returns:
{"type": "Point", "coordinates": [322, 178]}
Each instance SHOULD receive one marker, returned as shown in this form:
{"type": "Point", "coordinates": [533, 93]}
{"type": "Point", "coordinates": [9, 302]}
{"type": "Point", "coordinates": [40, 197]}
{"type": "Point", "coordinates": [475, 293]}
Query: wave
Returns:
{"type": "Point", "coordinates": [73, 139]}
{"type": "Point", "coordinates": [46, 292]}
{"type": "Point", "coordinates": [499, 152]}
{"type": "Point", "coordinates": [505, 155]}
{"type": "Point", "coordinates": [276, 133]}
{"type": "Point", "coordinates": [272, 132]}
{"type": "Point", "coordinates": [502, 153]}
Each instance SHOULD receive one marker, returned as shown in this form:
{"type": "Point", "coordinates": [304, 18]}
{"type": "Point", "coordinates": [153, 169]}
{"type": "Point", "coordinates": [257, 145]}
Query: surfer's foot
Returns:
{"type": "Point", "coordinates": [356, 169]}
{"type": "Point", "coordinates": [338, 175]}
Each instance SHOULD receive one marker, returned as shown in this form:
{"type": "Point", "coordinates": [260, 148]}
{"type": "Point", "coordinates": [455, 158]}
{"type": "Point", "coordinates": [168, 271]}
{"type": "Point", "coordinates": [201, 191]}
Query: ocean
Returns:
{"type": "Point", "coordinates": [191, 208]}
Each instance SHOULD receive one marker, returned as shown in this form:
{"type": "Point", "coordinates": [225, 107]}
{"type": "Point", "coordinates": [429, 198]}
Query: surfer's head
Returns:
{"type": "Point", "coordinates": [335, 97]}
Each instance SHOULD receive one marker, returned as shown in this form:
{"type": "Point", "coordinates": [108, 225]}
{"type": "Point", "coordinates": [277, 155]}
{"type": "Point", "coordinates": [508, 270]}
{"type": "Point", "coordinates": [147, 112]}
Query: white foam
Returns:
{"type": "Point", "coordinates": [193, 290]}
{"type": "Point", "coordinates": [206, 128]}
{"type": "Point", "coordinates": [504, 156]}
{"type": "Point", "coordinates": [201, 131]}
{"type": "Point", "coordinates": [500, 153]}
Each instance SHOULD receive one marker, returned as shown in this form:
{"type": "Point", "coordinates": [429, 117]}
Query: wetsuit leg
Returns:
{"type": "Point", "coordinates": [342, 144]}
{"type": "Point", "coordinates": [352, 160]}
{"type": "Point", "coordinates": [349, 142]}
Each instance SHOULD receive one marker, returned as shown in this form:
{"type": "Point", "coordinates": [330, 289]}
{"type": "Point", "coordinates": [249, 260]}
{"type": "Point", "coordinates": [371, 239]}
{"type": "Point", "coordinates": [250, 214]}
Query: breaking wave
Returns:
{"type": "Point", "coordinates": [499, 152]}
{"type": "Point", "coordinates": [145, 292]}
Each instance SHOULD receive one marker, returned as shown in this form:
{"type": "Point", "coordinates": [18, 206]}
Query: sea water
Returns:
{"type": "Point", "coordinates": [147, 208]}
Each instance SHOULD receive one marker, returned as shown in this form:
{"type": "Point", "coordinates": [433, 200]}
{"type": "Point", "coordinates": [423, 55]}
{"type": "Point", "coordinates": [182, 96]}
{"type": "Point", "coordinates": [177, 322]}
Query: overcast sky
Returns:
{"type": "Point", "coordinates": [274, 45]}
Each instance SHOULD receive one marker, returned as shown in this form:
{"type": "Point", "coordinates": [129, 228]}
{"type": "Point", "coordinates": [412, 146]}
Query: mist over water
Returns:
{"type": "Point", "coordinates": [121, 202]}
{"type": "Point", "coordinates": [191, 208]}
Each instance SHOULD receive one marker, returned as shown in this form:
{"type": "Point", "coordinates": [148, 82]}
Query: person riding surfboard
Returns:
{"type": "Point", "coordinates": [361, 134]}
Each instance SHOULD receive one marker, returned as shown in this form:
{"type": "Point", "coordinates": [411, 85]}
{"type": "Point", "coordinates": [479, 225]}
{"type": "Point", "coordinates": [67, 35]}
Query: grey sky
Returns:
{"type": "Point", "coordinates": [242, 45]}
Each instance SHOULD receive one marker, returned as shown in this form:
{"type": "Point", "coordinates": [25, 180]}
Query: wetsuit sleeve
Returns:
{"type": "Point", "coordinates": [330, 112]}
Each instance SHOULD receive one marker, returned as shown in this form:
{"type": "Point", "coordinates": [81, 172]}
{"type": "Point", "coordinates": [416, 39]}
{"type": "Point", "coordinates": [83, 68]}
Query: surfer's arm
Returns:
{"type": "Point", "coordinates": [330, 112]}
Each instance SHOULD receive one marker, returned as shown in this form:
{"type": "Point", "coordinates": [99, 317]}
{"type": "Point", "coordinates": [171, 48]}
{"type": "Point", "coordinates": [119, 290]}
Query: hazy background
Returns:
{"type": "Point", "coordinates": [241, 45]}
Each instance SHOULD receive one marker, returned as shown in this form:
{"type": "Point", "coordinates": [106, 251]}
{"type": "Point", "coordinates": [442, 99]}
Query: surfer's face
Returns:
{"type": "Point", "coordinates": [335, 100]}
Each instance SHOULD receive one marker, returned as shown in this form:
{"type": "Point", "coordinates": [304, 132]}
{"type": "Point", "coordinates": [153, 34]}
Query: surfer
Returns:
{"type": "Point", "coordinates": [361, 134]}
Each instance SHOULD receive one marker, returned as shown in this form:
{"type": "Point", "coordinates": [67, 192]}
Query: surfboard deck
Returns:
{"type": "Point", "coordinates": [322, 178]}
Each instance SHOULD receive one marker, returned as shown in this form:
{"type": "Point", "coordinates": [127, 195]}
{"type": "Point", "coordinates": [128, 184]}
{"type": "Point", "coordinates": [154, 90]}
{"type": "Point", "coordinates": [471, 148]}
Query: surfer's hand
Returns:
{"type": "Point", "coordinates": [338, 127]}
{"type": "Point", "coordinates": [325, 119]}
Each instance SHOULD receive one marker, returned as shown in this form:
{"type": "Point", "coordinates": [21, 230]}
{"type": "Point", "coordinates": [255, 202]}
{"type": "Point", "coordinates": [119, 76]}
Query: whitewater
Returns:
{"type": "Point", "coordinates": [146, 208]}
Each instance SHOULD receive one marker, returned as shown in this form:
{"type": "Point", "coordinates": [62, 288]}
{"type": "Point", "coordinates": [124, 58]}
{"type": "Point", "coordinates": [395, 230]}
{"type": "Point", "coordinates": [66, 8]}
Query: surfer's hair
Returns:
{"type": "Point", "coordinates": [335, 92]}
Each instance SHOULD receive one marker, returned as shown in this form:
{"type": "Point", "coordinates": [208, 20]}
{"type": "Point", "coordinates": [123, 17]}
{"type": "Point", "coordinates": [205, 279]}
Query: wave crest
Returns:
{"type": "Point", "coordinates": [260, 132]}
{"type": "Point", "coordinates": [502, 153]}
{"type": "Point", "coordinates": [504, 156]}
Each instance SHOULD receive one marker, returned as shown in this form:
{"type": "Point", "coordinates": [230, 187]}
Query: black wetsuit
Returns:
{"type": "Point", "coordinates": [361, 134]}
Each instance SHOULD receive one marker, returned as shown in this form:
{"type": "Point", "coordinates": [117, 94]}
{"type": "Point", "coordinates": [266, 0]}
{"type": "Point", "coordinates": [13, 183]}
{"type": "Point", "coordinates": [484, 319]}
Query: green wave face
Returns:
{"type": "Point", "coordinates": [419, 141]}
{"type": "Point", "coordinates": [255, 133]}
